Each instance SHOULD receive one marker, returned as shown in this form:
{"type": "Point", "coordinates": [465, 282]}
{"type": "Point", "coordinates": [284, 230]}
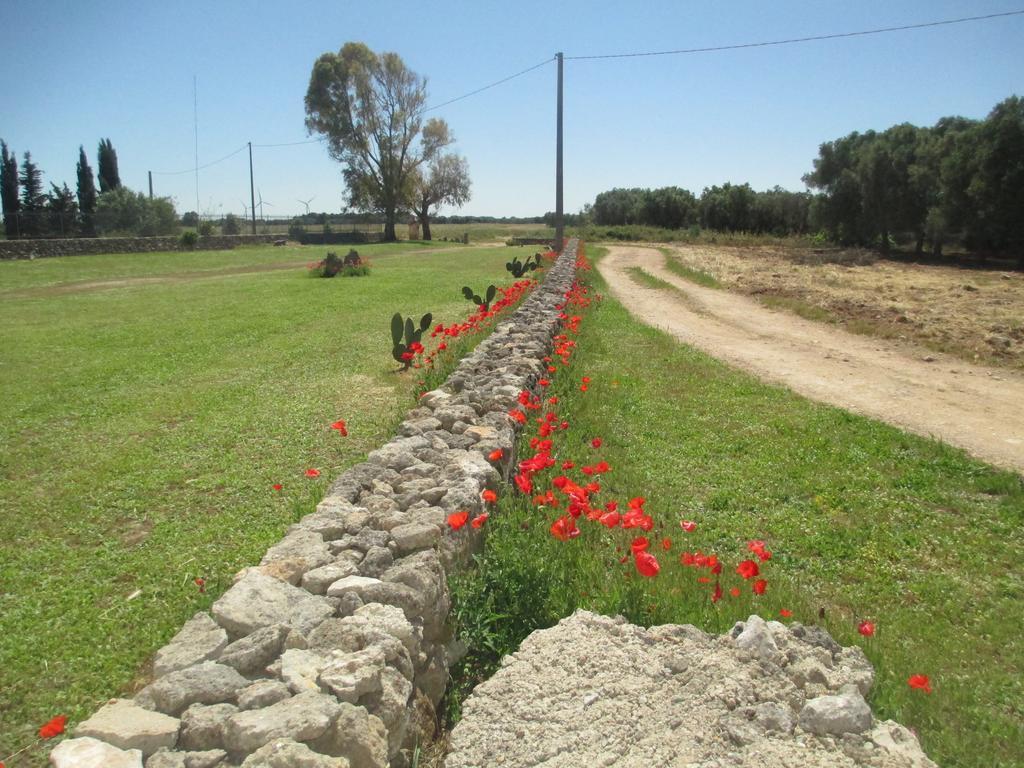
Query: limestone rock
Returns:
{"type": "Point", "coordinates": [836, 715]}
{"type": "Point", "coordinates": [258, 600]}
{"type": "Point", "coordinates": [319, 579]}
{"type": "Point", "coordinates": [304, 717]}
{"type": "Point", "coordinates": [352, 675]}
{"type": "Point", "coordinates": [263, 693]}
{"type": "Point", "coordinates": [206, 683]}
{"type": "Point", "coordinates": [126, 725]}
{"type": "Point", "coordinates": [254, 652]}
{"type": "Point", "coordinates": [287, 753]}
{"type": "Point", "coordinates": [757, 638]}
{"type": "Point", "coordinates": [207, 759]}
{"type": "Point", "coordinates": [391, 705]}
{"type": "Point", "coordinates": [202, 726]}
{"type": "Point", "coordinates": [354, 584]}
{"type": "Point", "coordinates": [88, 752]}
{"type": "Point", "coordinates": [298, 552]}
{"type": "Point", "coordinates": [414, 536]}
{"type": "Point", "coordinates": [201, 639]}
{"type": "Point", "coordinates": [357, 736]}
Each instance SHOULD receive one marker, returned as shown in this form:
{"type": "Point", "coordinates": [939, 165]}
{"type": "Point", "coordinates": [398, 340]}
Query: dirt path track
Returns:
{"type": "Point", "coordinates": [978, 409]}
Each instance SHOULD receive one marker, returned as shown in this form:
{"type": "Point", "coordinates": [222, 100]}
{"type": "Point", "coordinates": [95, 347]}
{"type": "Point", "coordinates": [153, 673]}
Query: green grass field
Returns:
{"type": "Point", "coordinates": [865, 522]}
{"type": "Point", "coordinates": [151, 402]}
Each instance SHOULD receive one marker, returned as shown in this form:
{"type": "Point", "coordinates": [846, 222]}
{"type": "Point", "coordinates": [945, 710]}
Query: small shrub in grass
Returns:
{"type": "Point", "coordinates": [351, 266]}
{"type": "Point", "coordinates": [189, 239]}
{"type": "Point", "coordinates": [206, 229]}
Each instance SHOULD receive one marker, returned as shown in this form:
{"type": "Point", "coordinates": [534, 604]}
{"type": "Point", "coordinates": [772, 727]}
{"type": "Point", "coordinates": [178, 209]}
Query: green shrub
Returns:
{"type": "Point", "coordinates": [189, 239]}
{"type": "Point", "coordinates": [205, 228]}
{"type": "Point", "coordinates": [231, 225]}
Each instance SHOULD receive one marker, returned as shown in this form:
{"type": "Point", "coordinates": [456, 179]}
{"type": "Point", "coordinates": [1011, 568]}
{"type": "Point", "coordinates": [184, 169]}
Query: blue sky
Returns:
{"type": "Point", "coordinates": [74, 72]}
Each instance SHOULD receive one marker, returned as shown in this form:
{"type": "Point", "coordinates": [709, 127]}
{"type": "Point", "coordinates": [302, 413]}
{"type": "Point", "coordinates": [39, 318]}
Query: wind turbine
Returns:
{"type": "Point", "coordinates": [307, 202]}
{"type": "Point", "coordinates": [261, 202]}
{"type": "Point", "coordinates": [245, 209]}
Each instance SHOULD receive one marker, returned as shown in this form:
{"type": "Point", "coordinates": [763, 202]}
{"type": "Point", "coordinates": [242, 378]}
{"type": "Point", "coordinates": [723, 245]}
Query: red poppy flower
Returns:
{"type": "Point", "coordinates": [312, 473]}
{"type": "Point", "coordinates": [201, 583]}
{"type": "Point", "coordinates": [489, 496]}
{"type": "Point", "coordinates": [340, 426]}
{"type": "Point", "coordinates": [735, 591]}
{"type": "Point", "coordinates": [596, 442]}
{"type": "Point", "coordinates": [717, 594]}
{"type": "Point", "coordinates": [920, 682]}
{"type": "Point", "coordinates": [586, 379]}
{"type": "Point", "coordinates": [601, 467]}
{"type": "Point", "coordinates": [688, 525]}
{"type": "Point", "coordinates": [458, 519]}
{"type": "Point", "coordinates": [866, 628]}
{"type": "Point", "coordinates": [564, 528]}
{"type": "Point", "coordinates": [518, 415]}
{"type": "Point", "coordinates": [524, 483]}
{"type": "Point", "coordinates": [609, 519]}
{"type": "Point", "coordinates": [640, 544]}
{"type": "Point", "coordinates": [785, 613]}
{"type": "Point", "coordinates": [496, 454]}
{"type": "Point", "coordinates": [760, 586]}
{"type": "Point", "coordinates": [666, 544]}
{"type": "Point", "coordinates": [276, 486]}
{"type": "Point", "coordinates": [748, 569]}
{"type": "Point", "coordinates": [583, 387]}
{"type": "Point", "coordinates": [646, 564]}
{"type": "Point", "coordinates": [53, 727]}
{"type": "Point", "coordinates": [479, 520]}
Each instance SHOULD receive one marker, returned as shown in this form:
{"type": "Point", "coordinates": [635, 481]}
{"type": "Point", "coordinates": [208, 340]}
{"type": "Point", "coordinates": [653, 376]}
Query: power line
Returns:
{"type": "Point", "coordinates": [801, 39]}
{"type": "Point", "coordinates": [492, 85]}
{"type": "Point", "coordinates": [201, 167]}
{"type": "Point", "coordinates": [294, 143]}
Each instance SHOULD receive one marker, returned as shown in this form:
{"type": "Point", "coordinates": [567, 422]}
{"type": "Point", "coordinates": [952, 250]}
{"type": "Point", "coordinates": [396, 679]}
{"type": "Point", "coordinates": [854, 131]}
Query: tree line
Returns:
{"type": "Point", "coordinates": [960, 181]}
{"type": "Point", "coordinates": [29, 211]}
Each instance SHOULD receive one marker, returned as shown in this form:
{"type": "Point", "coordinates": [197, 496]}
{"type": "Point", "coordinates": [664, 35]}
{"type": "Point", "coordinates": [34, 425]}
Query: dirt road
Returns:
{"type": "Point", "coordinates": [975, 408]}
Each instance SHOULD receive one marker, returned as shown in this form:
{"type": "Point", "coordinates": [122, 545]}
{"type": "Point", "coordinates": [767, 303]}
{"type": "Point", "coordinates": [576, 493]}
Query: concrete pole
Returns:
{"type": "Point", "coordinates": [559, 212]}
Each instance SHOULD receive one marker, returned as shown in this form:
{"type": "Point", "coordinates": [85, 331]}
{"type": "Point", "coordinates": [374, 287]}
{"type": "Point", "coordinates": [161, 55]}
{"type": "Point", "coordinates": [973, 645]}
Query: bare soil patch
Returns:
{"type": "Point", "coordinates": [974, 314]}
{"type": "Point", "coordinates": [974, 407]}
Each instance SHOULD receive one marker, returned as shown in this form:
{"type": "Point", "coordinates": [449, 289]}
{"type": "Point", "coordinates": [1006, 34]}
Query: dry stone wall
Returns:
{"type": "Point", "coordinates": [333, 651]}
{"type": "Point", "coordinates": [81, 246]}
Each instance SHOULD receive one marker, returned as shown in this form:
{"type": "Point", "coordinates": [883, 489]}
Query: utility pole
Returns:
{"type": "Point", "coordinates": [559, 213]}
{"type": "Point", "coordinates": [150, 185]}
{"type": "Point", "coordinates": [252, 192]}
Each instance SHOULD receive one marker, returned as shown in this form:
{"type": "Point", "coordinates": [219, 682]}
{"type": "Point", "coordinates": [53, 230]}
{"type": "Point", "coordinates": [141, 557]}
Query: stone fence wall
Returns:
{"type": "Point", "coordinates": [39, 249]}
{"type": "Point", "coordinates": [333, 651]}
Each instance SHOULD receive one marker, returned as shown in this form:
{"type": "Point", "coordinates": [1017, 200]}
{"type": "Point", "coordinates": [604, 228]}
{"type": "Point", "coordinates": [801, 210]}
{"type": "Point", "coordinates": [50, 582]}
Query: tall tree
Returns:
{"type": "Point", "coordinates": [62, 210]}
{"type": "Point", "coordinates": [370, 108]}
{"type": "Point", "coordinates": [86, 192]}
{"type": "Point", "coordinates": [444, 182]}
{"type": "Point", "coordinates": [9, 192]}
{"type": "Point", "coordinates": [107, 161]}
{"type": "Point", "coordinates": [33, 200]}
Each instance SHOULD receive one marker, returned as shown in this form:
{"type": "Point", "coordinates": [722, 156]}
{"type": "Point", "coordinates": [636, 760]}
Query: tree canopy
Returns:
{"type": "Point", "coordinates": [444, 182]}
{"type": "Point", "coordinates": [370, 108]}
{"type": "Point", "coordinates": [106, 159]}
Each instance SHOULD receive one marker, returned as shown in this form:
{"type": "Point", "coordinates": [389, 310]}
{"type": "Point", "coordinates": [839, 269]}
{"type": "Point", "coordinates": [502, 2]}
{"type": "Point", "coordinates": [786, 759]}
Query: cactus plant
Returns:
{"type": "Point", "coordinates": [519, 268]}
{"type": "Point", "coordinates": [405, 338]}
{"type": "Point", "coordinates": [485, 303]}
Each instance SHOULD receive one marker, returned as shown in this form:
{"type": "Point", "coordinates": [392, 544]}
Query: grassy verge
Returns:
{"type": "Point", "coordinates": [803, 309]}
{"type": "Point", "coordinates": [865, 522]}
{"type": "Point", "coordinates": [151, 404]}
{"type": "Point", "coordinates": [698, 276]}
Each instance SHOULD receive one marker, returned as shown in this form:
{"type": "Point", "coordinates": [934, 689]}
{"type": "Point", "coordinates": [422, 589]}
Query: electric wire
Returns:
{"type": "Point", "coordinates": [487, 87]}
{"type": "Point", "coordinates": [201, 167]}
{"type": "Point", "coordinates": [294, 143]}
{"type": "Point", "coordinates": [790, 41]}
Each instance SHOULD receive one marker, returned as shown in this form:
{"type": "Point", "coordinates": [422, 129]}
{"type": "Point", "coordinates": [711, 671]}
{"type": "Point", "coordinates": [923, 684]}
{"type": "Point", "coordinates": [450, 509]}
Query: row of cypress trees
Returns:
{"type": "Point", "coordinates": [28, 211]}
